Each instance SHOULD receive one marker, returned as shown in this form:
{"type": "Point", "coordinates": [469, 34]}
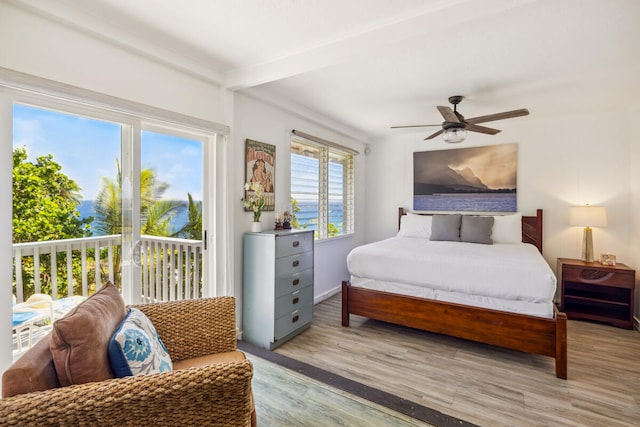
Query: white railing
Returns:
{"type": "Point", "coordinates": [171, 269]}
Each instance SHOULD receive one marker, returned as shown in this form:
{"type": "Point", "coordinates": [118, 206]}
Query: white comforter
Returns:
{"type": "Point", "coordinates": [506, 271]}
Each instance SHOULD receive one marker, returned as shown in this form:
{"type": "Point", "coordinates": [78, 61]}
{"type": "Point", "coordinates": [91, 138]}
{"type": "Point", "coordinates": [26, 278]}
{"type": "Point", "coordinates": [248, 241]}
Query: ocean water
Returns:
{"type": "Point", "coordinates": [483, 202]}
{"type": "Point", "coordinates": [308, 215]}
{"type": "Point", "coordinates": [85, 208]}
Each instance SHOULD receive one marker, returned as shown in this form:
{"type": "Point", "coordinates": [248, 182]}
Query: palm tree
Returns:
{"type": "Point", "coordinates": [192, 229]}
{"type": "Point", "coordinates": [155, 214]}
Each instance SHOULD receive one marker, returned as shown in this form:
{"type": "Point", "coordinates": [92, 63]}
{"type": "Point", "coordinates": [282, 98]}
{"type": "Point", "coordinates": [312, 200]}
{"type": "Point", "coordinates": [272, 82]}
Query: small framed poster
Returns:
{"type": "Point", "coordinates": [260, 166]}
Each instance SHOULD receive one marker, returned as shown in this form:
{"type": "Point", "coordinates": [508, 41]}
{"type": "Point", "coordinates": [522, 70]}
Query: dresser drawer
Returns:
{"type": "Point", "coordinates": [291, 321]}
{"type": "Point", "coordinates": [293, 301]}
{"type": "Point", "coordinates": [293, 282]}
{"type": "Point", "coordinates": [292, 264]}
{"type": "Point", "coordinates": [293, 244]}
{"type": "Point", "coordinates": [598, 276]}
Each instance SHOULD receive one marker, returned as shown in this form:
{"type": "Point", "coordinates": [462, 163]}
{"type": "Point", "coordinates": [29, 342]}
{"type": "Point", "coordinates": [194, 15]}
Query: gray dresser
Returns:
{"type": "Point", "coordinates": [277, 299]}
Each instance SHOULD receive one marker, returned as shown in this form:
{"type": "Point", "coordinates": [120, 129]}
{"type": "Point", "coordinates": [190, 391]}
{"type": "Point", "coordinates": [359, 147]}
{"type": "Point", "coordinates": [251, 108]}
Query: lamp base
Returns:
{"type": "Point", "coordinates": [587, 245]}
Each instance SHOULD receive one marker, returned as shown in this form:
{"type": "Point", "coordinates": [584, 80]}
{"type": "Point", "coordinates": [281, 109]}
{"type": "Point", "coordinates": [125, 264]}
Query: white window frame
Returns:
{"type": "Point", "coordinates": [134, 117]}
{"type": "Point", "coordinates": [325, 151]}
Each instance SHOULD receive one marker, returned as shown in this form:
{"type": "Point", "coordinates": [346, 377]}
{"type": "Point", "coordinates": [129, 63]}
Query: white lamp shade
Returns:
{"type": "Point", "coordinates": [588, 216]}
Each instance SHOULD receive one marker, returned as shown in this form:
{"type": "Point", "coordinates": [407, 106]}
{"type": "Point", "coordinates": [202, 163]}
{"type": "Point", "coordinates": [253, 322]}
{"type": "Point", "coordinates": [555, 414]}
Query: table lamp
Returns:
{"type": "Point", "coordinates": [587, 217]}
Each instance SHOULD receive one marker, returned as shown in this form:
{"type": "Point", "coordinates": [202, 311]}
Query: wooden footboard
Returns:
{"type": "Point", "coordinates": [530, 334]}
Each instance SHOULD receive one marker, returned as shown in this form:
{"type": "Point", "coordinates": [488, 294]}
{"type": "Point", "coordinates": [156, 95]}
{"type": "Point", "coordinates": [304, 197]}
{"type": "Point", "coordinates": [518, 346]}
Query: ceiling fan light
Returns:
{"type": "Point", "coordinates": [454, 135]}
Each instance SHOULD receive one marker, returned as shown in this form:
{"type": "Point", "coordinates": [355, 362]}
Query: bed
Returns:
{"type": "Point", "coordinates": [539, 329]}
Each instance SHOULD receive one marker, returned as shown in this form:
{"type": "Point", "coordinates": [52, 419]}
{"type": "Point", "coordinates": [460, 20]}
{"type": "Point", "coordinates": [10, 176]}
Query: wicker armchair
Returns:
{"type": "Point", "coordinates": [205, 393]}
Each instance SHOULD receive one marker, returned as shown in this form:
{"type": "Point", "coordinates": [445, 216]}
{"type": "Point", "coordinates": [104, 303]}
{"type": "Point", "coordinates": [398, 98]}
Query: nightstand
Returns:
{"type": "Point", "coordinates": [593, 291]}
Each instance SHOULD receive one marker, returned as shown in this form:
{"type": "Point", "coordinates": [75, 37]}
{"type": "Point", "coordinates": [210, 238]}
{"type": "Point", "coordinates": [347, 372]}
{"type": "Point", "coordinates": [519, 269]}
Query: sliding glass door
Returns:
{"type": "Point", "coordinates": [171, 214]}
{"type": "Point", "coordinates": [99, 196]}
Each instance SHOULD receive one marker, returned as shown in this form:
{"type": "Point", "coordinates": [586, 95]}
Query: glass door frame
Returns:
{"type": "Point", "coordinates": [131, 164]}
{"type": "Point", "coordinates": [130, 207]}
{"type": "Point", "coordinates": [208, 201]}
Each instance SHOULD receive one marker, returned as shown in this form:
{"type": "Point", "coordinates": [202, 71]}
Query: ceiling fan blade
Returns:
{"type": "Point", "coordinates": [498, 116]}
{"type": "Point", "coordinates": [481, 129]}
{"type": "Point", "coordinates": [435, 134]}
{"type": "Point", "coordinates": [448, 114]}
{"type": "Point", "coordinates": [412, 126]}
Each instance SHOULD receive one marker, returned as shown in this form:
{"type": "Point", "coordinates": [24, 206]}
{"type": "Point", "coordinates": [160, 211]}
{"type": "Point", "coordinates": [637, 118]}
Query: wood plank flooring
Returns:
{"type": "Point", "coordinates": [478, 383]}
{"type": "Point", "coordinates": [285, 398]}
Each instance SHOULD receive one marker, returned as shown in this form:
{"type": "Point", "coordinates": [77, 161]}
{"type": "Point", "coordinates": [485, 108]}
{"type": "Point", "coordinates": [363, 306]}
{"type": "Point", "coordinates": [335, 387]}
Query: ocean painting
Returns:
{"type": "Point", "coordinates": [475, 179]}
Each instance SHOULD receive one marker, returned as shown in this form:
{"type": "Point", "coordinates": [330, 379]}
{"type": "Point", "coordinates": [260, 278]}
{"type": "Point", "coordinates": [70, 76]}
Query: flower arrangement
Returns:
{"type": "Point", "coordinates": [254, 201]}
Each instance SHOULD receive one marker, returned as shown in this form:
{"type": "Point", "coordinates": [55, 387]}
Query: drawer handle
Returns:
{"type": "Point", "coordinates": [296, 263]}
{"type": "Point", "coordinates": [296, 244]}
{"type": "Point", "coordinates": [295, 300]}
{"type": "Point", "coordinates": [295, 318]}
{"type": "Point", "coordinates": [295, 282]}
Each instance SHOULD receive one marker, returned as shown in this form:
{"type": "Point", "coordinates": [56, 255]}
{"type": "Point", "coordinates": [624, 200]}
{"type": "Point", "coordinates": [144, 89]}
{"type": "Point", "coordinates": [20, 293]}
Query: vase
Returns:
{"type": "Point", "coordinates": [256, 226]}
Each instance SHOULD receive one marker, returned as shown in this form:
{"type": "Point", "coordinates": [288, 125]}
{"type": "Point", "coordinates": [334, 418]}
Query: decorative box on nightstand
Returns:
{"type": "Point", "coordinates": [604, 293]}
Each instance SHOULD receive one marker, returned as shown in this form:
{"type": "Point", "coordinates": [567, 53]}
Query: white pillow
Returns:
{"type": "Point", "coordinates": [412, 225]}
{"type": "Point", "coordinates": [507, 228]}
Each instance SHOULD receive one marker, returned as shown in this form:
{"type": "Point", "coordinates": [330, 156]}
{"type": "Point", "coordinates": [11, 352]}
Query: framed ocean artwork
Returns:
{"type": "Point", "coordinates": [473, 179]}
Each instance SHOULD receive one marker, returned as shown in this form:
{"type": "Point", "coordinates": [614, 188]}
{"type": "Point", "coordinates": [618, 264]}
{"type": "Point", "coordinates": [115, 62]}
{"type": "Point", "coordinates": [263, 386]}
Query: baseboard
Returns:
{"type": "Point", "coordinates": [326, 295]}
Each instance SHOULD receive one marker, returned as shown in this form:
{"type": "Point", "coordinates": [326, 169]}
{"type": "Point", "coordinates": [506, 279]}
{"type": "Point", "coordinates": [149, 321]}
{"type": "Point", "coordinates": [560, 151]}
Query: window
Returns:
{"type": "Point", "coordinates": [108, 143]}
{"type": "Point", "coordinates": [321, 188]}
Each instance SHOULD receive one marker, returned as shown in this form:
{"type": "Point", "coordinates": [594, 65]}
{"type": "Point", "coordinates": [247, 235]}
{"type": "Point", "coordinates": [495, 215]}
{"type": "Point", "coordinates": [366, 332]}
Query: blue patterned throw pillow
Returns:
{"type": "Point", "coordinates": [135, 348]}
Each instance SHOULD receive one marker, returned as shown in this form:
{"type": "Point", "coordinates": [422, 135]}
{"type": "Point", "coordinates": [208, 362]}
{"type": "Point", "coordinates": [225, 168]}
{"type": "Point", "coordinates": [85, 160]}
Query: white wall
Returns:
{"type": "Point", "coordinates": [561, 162]}
{"type": "Point", "coordinates": [34, 45]}
{"type": "Point", "coordinates": [261, 122]}
{"type": "Point", "coordinates": [634, 166]}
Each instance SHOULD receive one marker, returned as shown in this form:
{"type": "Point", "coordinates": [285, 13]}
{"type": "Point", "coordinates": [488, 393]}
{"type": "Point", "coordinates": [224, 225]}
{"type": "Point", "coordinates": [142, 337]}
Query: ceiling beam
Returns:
{"type": "Point", "coordinates": [446, 17]}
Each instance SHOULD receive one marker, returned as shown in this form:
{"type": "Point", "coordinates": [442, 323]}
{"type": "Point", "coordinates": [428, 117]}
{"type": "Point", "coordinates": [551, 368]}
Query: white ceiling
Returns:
{"type": "Point", "coordinates": [365, 65]}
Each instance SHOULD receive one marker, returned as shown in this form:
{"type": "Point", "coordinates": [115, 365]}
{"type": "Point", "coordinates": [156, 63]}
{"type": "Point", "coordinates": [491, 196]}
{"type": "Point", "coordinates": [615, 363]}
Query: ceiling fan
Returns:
{"type": "Point", "coordinates": [455, 126]}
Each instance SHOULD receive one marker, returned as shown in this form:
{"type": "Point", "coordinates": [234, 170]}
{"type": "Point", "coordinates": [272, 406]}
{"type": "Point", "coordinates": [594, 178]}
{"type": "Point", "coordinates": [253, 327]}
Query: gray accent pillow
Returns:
{"type": "Point", "coordinates": [446, 227]}
{"type": "Point", "coordinates": [476, 229]}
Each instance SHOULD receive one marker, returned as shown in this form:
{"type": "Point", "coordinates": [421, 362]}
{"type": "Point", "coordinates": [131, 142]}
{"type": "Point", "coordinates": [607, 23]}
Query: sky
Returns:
{"type": "Point", "coordinates": [87, 150]}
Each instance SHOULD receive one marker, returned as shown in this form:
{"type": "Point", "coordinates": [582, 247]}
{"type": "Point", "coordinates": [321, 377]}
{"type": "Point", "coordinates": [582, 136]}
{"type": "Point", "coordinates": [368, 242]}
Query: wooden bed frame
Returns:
{"type": "Point", "coordinates": [520, 332]}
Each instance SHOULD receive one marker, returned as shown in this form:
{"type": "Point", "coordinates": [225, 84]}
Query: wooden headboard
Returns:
{"type": "Point", "coordinates": [531, 227]}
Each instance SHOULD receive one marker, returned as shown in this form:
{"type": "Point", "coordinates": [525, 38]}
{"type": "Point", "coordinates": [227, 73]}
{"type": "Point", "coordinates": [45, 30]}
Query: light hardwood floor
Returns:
{"type": "Point", "coordinates": [485, 385]}
{"type": "Point", "coordinates": [285, 398]}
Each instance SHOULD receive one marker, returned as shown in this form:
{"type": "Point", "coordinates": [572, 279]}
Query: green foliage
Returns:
{"type": "Point", "coordinates": [332, 230]}
{"type": "Point", "coordinates": [193, 228]}
{"type": "Point", "coordinates": [295, 209]}
{"type": "Point", "coordinates": [45, 201]}
{"type": "Point", "coordinates": [155, 214]}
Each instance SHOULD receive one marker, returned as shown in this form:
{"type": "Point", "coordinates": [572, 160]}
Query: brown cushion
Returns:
{"type": "Point", "coordinates": [210, 359]}
{"type": "Point", "coordinates": [33, 371]}
{"type": "Point", "coordinates": [80, 340]}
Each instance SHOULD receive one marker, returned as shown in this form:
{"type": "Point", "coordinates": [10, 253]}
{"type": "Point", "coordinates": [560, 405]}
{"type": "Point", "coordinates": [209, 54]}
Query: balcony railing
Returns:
{"type": "Point", "coordinates": [171, 269]}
